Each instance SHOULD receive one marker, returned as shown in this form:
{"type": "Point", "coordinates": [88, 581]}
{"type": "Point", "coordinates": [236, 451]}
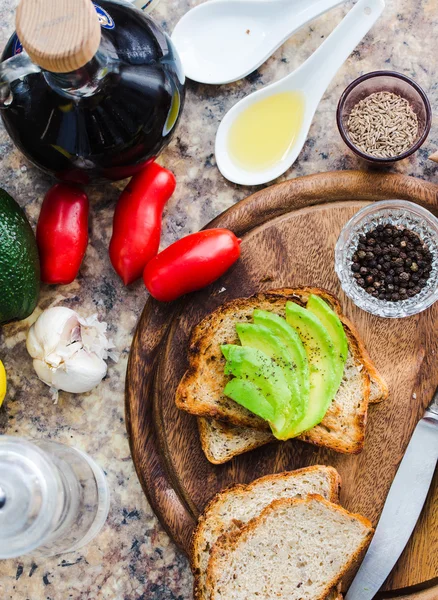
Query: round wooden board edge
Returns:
{"type": "Point", "coordinates": [157, 485]}
{"type": "Point", "coordinates": [240, 218]}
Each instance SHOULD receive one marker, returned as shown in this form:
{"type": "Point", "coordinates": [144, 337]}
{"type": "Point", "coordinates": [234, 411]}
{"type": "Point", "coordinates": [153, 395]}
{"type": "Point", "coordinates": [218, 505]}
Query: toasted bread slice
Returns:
{"type": "Point", "coordinates": [234, 507]}
{"type": "Point", "coordinates": [297, 549]}
{"type": "Point", "coordinates": [222, 441]}
{"type": "Point", "coordinates": [201, 390]}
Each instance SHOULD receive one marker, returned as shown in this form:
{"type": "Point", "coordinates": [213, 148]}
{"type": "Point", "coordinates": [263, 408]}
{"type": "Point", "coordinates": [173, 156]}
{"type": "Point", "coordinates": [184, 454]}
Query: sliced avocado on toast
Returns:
{"type": "Point", "coordinates": [262, 338]}
{"type": "Point", "coordinates": [335, 329]}
{"type": "Point", "coordinates": [291, 340]}
{"type": "Point", "coordinates": [249, 395]}
{"type": "Point", "coordinates": [308, 351]}
{"type": "Point", "coordinates": [19, 262]}
{"type": "Point", "coordinates": [322, 365]}
{"type": "Point", "coordinates": [258, 368]}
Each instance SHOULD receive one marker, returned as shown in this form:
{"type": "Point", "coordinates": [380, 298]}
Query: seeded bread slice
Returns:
{"type": "Point", "coordinates": [221, 441]}
{"type": "Point", "coordinates": [200, 392]}
{"type": "Point", "coordinates": [297, 549]}
{"type": "Point", "coordinates": [233, 508]}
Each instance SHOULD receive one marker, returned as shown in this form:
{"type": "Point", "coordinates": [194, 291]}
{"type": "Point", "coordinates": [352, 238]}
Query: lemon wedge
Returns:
{"type": "Point", "coordinates": [2, 382]}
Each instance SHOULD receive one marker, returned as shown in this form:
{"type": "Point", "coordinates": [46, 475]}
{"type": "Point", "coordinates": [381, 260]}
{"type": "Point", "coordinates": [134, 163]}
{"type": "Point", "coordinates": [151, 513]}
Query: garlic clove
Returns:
{"type": "Point", "coordinates": [52, 328]}
{"type": "Point", "coordinates": [79, 374]}
{"type": "Point", "coordinates": [87, 371]}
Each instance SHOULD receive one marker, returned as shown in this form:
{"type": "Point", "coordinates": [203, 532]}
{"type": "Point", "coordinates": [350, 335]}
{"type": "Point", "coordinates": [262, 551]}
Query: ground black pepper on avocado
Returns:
{"type": "Point", "coordinates": [391, 263]}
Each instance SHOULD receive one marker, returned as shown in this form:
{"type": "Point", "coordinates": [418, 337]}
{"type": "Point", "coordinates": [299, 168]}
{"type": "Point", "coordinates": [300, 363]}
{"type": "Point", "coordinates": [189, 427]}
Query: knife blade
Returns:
{"type": "Point", "coordinates": [402, 508]}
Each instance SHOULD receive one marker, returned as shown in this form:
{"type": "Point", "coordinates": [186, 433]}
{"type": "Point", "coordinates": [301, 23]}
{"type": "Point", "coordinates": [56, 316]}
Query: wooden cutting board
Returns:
{"type": "Point", "coordinates": [288, 236]}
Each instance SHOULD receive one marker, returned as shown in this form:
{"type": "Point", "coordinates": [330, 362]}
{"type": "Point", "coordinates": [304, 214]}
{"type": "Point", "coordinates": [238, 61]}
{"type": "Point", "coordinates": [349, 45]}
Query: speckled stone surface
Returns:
{"type": "Point", "coordinates": [132, 558]}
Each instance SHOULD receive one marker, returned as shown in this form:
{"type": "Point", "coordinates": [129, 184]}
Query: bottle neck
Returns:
{"type": "Point", "coordinates": [87, 80]}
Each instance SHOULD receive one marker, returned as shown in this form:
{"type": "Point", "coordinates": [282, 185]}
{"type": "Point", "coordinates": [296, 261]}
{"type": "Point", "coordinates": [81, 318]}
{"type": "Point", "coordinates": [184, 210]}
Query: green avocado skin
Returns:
{"type": "Point", "coordinates": [19, 262]}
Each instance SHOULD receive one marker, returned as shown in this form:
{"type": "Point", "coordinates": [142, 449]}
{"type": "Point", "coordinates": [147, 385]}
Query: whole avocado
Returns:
{"type": "Point", "coordinates": [19, 262]}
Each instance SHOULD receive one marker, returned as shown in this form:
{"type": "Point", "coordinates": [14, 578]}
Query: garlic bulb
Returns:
{"type": "Point", "coordinates": [69, 352]}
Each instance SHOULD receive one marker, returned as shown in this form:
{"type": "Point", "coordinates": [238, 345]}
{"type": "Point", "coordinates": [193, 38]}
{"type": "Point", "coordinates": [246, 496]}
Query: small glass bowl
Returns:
{"type": "Point", "coordinates": [385, 81]}
{"type": "Point", "coordinates": [399, 213]}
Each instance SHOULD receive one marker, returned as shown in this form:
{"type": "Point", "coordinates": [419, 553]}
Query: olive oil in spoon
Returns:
{"type": "Point", "coordinates": [264, 133]}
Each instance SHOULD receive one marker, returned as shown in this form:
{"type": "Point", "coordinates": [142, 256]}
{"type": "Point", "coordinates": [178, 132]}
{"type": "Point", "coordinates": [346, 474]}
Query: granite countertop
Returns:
{"type": "Point", "coordinates": [132, 558]}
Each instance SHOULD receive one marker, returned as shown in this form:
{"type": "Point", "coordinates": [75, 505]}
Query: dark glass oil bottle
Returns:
{"type": "Point", "coordinates": [107, 119]}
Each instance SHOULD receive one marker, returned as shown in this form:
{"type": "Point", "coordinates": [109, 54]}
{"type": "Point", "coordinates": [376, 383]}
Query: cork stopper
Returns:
{"type": "Point", "coordinates": [59, 35]}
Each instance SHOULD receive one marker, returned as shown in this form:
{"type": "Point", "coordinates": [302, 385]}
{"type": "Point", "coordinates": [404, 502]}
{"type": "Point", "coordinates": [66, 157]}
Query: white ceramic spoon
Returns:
{"type": "Point", "coordinates": [311, 79]}
{"type": "Point", "coordinates": [224, 40]}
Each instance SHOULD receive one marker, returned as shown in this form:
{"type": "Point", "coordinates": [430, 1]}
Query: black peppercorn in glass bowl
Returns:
{"type": "Point", "coordinates": [397, 214]}
{"type": "Point", "coordinates": [385, 81]}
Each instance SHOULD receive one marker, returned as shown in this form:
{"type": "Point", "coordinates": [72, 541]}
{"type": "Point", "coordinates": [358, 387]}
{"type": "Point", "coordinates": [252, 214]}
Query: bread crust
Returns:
{"type": "Point", "coordinates": [232, 540]}
{"type": "Point", "coordinates": [201, 342]}
{"type": "Point", "coordinates": [208, 513]}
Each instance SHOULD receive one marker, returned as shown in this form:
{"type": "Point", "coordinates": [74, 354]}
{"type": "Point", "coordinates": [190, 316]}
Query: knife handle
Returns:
{"type": "Point", "coordinates": [432, 409]}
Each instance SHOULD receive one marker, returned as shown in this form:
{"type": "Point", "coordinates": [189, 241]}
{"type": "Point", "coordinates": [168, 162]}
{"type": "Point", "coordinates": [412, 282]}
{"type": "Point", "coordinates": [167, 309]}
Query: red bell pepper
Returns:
{"type": "Point", "coordinates": [137, 221]}
{"type": "Point", "coordinates": [191, 263]}
{"type": "Point", "coordinates": [62, 233]}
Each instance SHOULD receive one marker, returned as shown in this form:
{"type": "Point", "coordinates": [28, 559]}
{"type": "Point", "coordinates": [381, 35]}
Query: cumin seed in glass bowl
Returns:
{"type": "Point", "coordinates": [384, 81]}
{"type": "Point", "coordinates": [401, 215]}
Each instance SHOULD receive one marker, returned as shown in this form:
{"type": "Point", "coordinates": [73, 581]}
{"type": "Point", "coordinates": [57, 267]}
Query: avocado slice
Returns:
{"type": "Point", "coordinates": [322, 365]}
{"type": "Point", "coordinates": [256, 366]}
{"type": "Point", "coordinates": [333, 324]}
{"type": "Point", "coordinates": [247, 394]}
{"type": "Point", "coordinates": [293, 343]}
{"type": "Point", "coordinates": [262, 338]}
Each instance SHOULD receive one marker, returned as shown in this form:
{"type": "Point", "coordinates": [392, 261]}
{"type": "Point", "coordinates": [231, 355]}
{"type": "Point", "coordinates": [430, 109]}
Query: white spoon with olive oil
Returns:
{"type": "Point", "coordinates": [262, 135]}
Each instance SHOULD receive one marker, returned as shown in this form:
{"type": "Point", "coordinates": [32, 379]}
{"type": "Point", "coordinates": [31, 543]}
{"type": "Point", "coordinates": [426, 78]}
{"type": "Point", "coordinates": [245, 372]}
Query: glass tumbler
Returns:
{"type": "Point", "coordinates": [53, 498]}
